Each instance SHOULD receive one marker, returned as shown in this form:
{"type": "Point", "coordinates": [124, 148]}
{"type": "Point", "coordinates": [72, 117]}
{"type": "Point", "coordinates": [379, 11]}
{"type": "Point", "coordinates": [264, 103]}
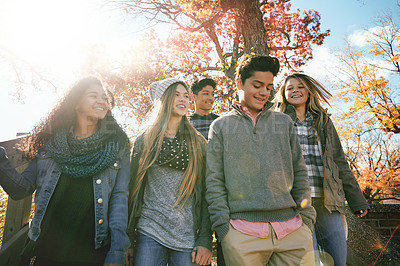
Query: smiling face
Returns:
{"type": "Point", "coordinates": [256, 90]}
{"type": "Point", "coordinates": [204, 100]}
{"type": "Point", "coordinates": [180, 104]}
{"type": "Point", "coordinates": [296, 93]}
{"type": "Point", "coordinates": [93, 104]}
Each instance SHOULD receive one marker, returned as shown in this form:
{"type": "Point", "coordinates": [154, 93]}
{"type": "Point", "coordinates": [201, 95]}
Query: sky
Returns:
{"type": "Point", "coordinates": [36, 31]}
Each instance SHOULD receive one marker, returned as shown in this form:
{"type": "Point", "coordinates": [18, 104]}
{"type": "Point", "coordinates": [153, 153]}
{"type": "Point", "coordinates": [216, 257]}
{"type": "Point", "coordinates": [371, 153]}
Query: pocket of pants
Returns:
{"type": "Point", "coordinates": [309, 229]}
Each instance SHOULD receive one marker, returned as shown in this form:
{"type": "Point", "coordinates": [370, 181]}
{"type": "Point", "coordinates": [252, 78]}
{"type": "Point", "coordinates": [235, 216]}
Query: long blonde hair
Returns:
{"type": "Point", "coordinates": [317, 93]}
{"type": "Point", "coordinates": [153, 139]}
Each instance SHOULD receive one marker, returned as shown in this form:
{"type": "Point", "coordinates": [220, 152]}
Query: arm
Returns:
{"type": "Point", "coordinates": [118, 214]}
{"type": "Point", "coordinates": [216, 194]}
{"type": "Point", "coordinates": [205, 235]}
{"type": "Point", "coordinates": [354, 195]}
{"type": "Point", "coordinates": [301, 191]}
{"type": "Point", "coordinates": [134, 166]}
{"type": "Point", "coordinates": [202, 252]}
{"type": "Point", "coordinates": [133, 199]}
{"type": "Point", "coordinates": [17, 185]}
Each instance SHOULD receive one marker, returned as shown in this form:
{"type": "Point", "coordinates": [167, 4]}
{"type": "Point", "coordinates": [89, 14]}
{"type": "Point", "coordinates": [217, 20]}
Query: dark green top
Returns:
{"type": "Point", "coordinates": [67, 227]}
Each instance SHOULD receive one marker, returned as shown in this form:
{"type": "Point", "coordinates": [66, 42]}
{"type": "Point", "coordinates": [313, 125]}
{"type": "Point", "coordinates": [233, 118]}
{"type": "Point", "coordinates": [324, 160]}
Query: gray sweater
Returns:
{"type": "Point", "coordinates": [170, 226]}
{"type": "Point", "coordinates": [256, 173]}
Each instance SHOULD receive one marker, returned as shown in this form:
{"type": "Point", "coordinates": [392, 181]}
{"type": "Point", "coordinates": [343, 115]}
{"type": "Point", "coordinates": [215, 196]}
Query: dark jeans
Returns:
{"type": "Point", "coordinates": [47, 262]}
{"type": "Point", "coordinates": [150, 252]}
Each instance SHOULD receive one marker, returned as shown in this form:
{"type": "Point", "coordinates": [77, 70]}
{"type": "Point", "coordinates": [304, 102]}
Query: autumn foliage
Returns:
{"type": "Point", "coordinates": [3, 209]}
{"type": "Point", "coordinates": [368, 83]}
{"type": "Point", "coordinates": [233, 29]}
{"type": "Point", "coordinates": [291, 34]}
{"type": "Point", "coordinates": [209, 40]}
{"type": "Point", "coordinates": [375, 162]}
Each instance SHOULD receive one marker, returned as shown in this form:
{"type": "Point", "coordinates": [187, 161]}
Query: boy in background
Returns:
{"type": "Point", "coordinates": [203, 98]}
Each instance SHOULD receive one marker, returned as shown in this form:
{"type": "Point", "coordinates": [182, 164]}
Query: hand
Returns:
{"type": "Point", "coordinates": [201, 255]}
{"type": "Point", "coordinates": [361, 213]}
{"type": "Point", "coordinates": [129, 257]}
{"type": "Point", "coordinates": [3, 152]}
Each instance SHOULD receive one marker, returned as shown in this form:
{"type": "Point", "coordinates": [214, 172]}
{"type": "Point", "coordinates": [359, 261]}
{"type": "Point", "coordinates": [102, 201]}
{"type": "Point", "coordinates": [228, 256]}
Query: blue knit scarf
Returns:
{"type": "Point", "coordinates": [83, 157]}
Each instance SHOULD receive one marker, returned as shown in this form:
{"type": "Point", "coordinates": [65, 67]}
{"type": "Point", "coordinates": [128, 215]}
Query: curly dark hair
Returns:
{"type": "Point", "coordinates": [64, 116]}
{"type": "Point", "coordinates": [255, 63]}
{"type": "Point", "coordinates": [198, 85]}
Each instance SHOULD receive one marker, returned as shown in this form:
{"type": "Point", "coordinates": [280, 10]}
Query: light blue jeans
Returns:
{"type": "Point", "coordinates": [151, 253]}
{"type": "Point", "coordinates": [329, 237]}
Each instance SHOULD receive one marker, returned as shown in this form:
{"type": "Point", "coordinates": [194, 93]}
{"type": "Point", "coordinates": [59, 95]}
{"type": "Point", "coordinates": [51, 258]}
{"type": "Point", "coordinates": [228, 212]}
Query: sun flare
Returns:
{"type": "Point", "coordinates": [44, 31]}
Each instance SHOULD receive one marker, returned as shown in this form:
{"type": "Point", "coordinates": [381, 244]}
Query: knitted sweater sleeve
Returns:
{"type": "Point", "coordinates": [216, 194]}
{"type": "Point", "coordinates": [301, 191]}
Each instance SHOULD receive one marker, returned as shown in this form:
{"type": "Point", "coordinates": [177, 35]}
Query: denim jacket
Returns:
{"type": "Point", "coordinates": [110, 198]}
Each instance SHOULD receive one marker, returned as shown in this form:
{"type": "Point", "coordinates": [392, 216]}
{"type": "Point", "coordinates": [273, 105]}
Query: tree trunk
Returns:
{"type": "Point", "coordinates": [252, 28]}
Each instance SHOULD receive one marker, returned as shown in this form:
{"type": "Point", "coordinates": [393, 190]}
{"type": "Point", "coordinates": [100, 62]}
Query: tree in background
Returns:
{"type": "Point", "coordinates": [24, 74]}
{"type": "Point", "coordinates": [130, 78]}
{"type": "Point", "coordinates": [368, 83]}
{"type": "Point", "coordinates": [150, 60]}
{"type": "Point", "coordinates": [375, 162]}
{"type": "Point", "coordinates": [237, 27]}
{"type": "Point", "coordinates": [210, 38]}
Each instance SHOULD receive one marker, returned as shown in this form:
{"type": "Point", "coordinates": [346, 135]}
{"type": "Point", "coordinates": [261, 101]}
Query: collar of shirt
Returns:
{"type": "Point", "coordinates": [245, 110]}
{"type": "Point", "coordinates": [308, 118]}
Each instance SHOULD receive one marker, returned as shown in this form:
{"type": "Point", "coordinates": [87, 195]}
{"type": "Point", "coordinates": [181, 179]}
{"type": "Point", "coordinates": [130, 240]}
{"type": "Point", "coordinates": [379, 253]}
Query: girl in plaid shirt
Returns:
{"type": "Point", "coordinates": [330, 177]}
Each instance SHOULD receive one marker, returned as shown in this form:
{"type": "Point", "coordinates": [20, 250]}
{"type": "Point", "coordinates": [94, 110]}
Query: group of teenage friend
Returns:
{"type": "Point", "coordinates": [269, 179]}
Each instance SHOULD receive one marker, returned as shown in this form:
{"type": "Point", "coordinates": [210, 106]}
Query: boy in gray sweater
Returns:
{"type": "Point", "coordinates": [257, 183]}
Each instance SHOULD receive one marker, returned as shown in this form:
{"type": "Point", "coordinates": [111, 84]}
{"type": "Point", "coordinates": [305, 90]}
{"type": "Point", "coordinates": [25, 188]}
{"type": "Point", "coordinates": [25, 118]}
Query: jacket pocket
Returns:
{"type": "Point", "coordinates": [113, 172]}
{"type": "Point", "coordinates": [339, 183]}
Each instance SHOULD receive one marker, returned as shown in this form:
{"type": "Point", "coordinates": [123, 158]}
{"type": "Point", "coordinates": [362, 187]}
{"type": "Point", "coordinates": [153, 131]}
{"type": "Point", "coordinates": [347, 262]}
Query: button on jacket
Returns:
{"type": "Point", "coordinates": [110, 197]}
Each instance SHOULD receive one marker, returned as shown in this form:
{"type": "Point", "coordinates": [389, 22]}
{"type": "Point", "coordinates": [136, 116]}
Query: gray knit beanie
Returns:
{"type": "Point", "coordinates": [158, 88]}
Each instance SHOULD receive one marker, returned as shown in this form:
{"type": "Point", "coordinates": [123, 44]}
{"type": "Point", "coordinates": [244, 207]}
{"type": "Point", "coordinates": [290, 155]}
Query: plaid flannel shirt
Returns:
{"type": "Point", "coordinates": [202, 123]}
{"type": "Point", "coordinates": [312, 154]}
